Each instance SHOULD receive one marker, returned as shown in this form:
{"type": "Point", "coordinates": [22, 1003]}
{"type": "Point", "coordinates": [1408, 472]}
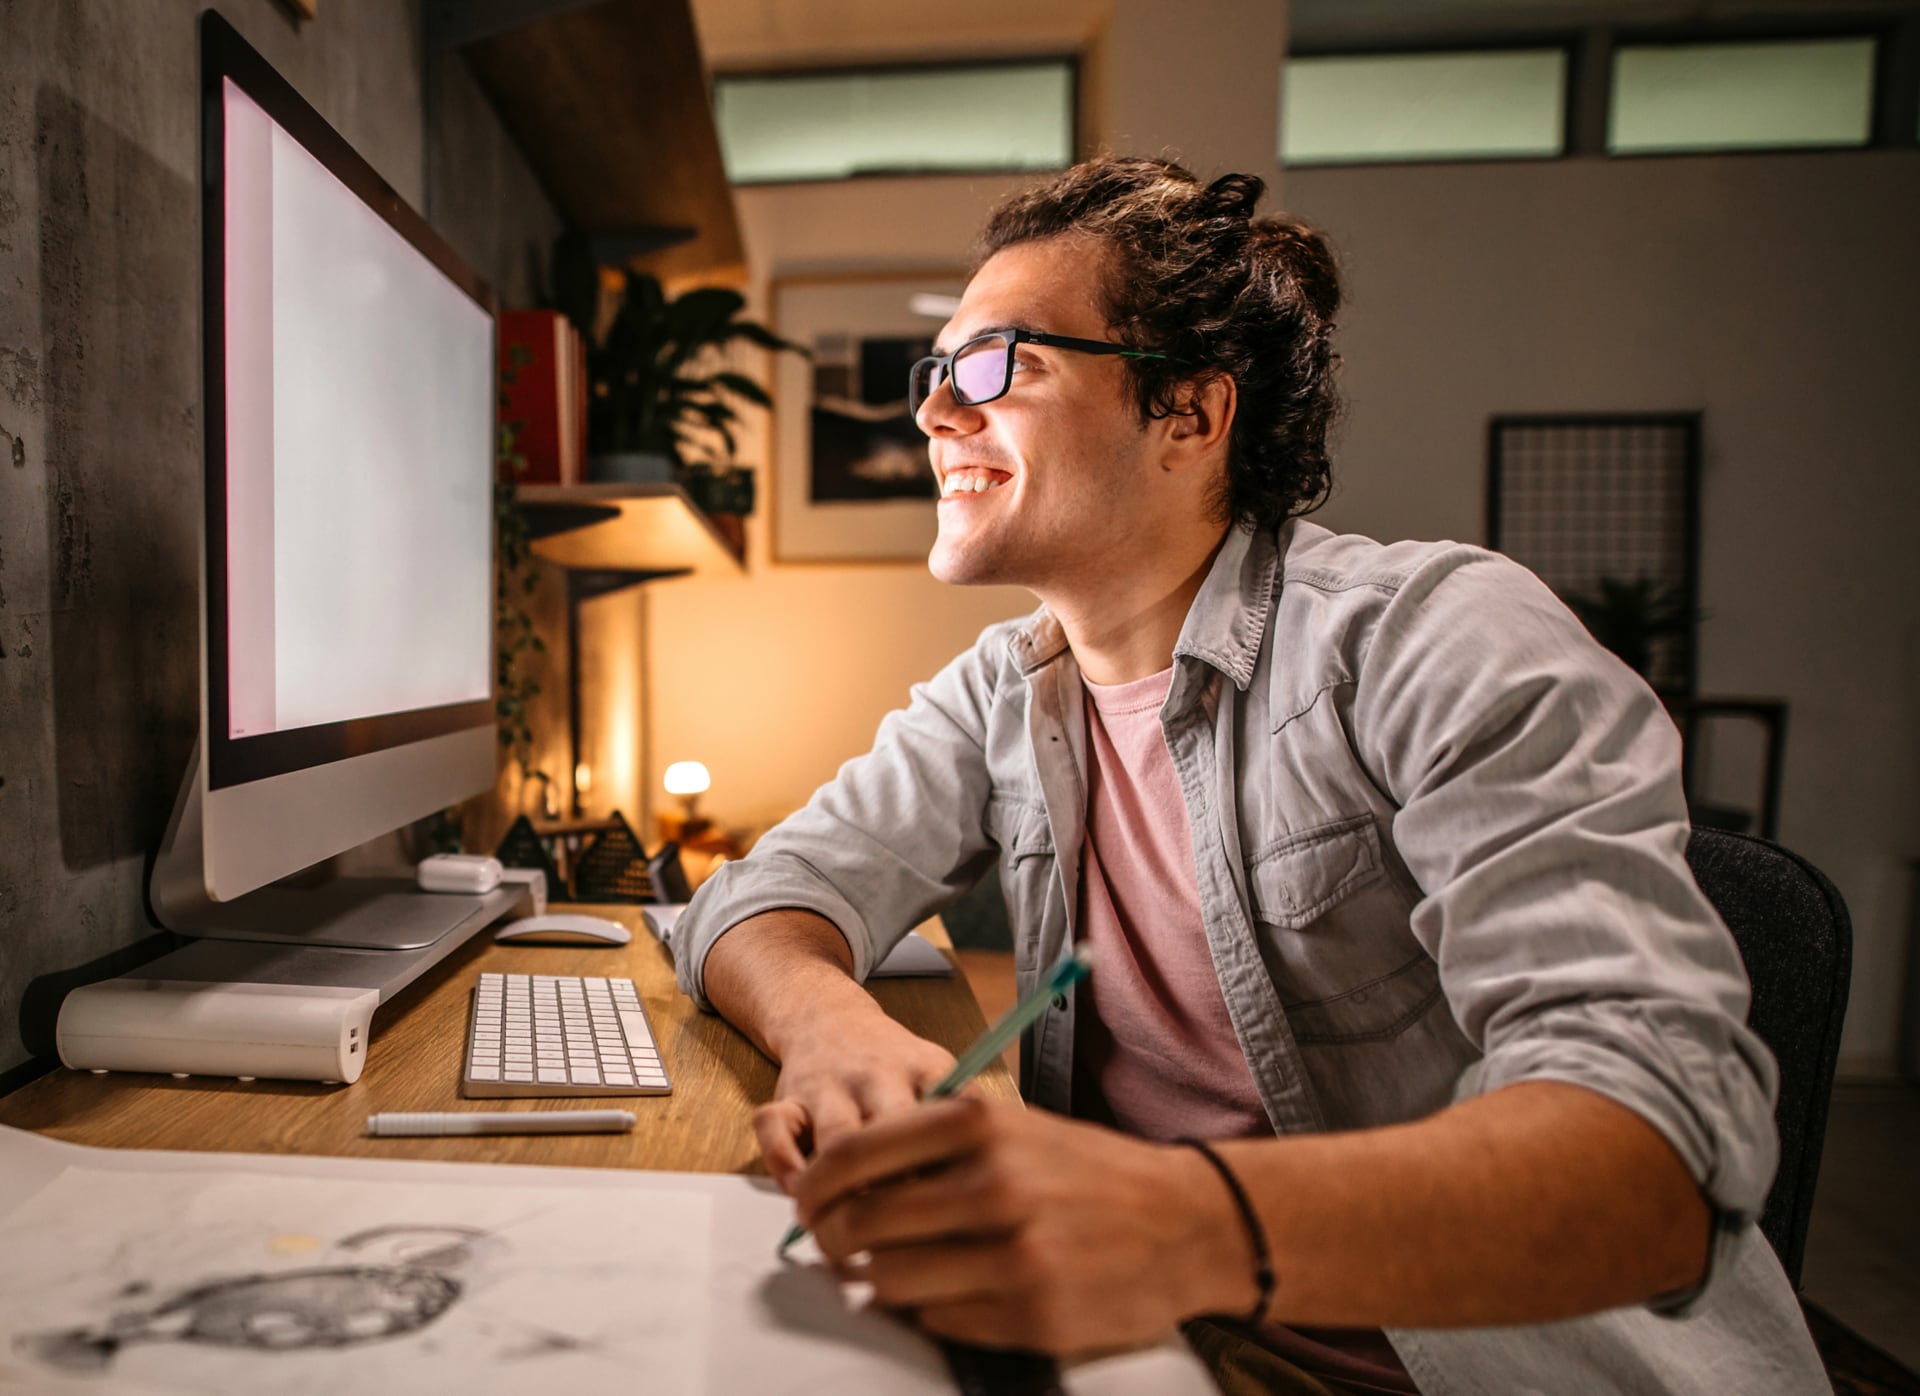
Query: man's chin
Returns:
{"type": "Point", "coordinates": [960, 566]}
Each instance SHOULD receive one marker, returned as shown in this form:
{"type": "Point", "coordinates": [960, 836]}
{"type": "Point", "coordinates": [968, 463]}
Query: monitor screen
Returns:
{"type": "Point", "coordinates": [351, 395]}
{"type": "Point", "coordinates": [359, 407]}
{"type": "Point", "coordinates": [348, 582]}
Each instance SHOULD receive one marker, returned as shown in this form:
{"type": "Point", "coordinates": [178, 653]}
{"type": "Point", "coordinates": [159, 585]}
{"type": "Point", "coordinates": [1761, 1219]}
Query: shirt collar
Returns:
{"type": "Point", "coordinates": [1223, 626]}
{"type": "Point", "coordinates": [1228, 617]}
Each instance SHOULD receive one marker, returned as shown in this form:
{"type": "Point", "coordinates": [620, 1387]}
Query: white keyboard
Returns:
{"type": "Point", "coordinates": [560, 1035]}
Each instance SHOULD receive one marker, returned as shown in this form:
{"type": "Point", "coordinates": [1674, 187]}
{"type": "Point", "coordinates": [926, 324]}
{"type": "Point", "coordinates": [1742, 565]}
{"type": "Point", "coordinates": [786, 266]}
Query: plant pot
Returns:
{"type": "Point", "coordinates": [630, 468]}
{"type": "Point", "coordinates": [732, 529]}
{"type": "Point", "coordinates": [726, 492]}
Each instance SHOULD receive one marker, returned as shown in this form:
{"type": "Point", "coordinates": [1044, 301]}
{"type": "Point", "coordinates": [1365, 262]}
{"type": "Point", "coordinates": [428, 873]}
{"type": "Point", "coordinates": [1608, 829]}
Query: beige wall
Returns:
{"type": "Point", "coordinates": [1776, 293]}
{"type": "Point", "coordinates": [775, 678]}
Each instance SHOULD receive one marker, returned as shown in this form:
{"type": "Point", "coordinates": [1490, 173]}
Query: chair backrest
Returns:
{"type": "Point", "coordinates": [1794, 934]}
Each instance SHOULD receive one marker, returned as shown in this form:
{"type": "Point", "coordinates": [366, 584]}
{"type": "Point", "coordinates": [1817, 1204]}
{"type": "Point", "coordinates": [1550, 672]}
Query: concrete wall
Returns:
{"type": "Point", "coordinates": [1775, 293]}
{"type": "Point", "coordinates": [100, 430]}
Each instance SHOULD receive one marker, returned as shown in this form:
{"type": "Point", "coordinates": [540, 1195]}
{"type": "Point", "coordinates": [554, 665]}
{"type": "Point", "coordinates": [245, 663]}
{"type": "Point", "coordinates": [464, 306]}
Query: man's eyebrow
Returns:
{"type": "Point", "coordinates": [940, 352]}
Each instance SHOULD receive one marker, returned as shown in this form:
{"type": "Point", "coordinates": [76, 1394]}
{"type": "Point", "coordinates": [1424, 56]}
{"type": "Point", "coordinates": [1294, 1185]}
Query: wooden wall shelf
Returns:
{"type": "Point", "coordinates": [654, 529]}
{"type": "Point", "coordinates": [608, 101]}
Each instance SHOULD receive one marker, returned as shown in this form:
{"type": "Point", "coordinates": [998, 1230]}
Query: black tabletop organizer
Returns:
{"type": "Point", "coordinates": [614, 866]}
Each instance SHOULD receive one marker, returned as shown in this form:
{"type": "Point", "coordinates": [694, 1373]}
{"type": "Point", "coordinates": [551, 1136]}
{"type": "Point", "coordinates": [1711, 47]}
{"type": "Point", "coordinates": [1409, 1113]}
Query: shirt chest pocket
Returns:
{"type": "Point", "coordinates": [1027, 862]}
{"type": "Point", "coordinates": [1333, 927]}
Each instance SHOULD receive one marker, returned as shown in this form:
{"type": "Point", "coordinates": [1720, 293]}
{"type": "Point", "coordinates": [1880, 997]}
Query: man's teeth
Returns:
{"type": "Point", "coordinates": [969, 484]}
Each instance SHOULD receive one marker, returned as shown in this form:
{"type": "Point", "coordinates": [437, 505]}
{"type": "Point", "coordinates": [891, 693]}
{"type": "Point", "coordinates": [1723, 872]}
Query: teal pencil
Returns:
{"type": "Point", "coordinates": [1071, 969]}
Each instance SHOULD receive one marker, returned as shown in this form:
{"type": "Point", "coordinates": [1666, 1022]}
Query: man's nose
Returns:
{"type": "Point", "coordinates": [942, 414]}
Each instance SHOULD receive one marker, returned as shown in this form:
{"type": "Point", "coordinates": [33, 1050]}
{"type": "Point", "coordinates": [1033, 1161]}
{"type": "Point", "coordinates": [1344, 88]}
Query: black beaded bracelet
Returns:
{"type": "Point", "coordinates": [1262, 1259]}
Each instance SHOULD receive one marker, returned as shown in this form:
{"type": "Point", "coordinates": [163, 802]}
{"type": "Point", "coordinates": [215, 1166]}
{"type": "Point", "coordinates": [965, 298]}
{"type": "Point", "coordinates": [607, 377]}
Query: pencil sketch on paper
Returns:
{"type": "Point", "coordinates": [230, 1282]}
{"type": "Point", "coordinates": [326, 1306]}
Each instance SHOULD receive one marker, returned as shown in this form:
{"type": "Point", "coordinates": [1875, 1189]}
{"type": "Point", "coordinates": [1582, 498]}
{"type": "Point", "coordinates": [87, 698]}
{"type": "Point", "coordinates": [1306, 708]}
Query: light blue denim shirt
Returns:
{"type": "Point", "coordinates": [1439, 840]}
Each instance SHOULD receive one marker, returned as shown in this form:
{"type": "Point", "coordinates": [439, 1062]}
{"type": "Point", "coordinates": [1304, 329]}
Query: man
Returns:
{"type": "Point", "coordinates": [1380, 857]}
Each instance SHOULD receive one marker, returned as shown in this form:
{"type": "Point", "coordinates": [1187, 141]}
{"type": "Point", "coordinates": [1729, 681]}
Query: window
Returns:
{"type": "Point", "coordinates": [1758, 94]}
{"type": "Point", "coordinates": [1363, 108]}
{"type": "Point", "coordinates": [812, 126]}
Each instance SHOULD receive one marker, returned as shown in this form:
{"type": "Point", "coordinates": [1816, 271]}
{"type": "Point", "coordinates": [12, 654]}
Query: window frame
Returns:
{"type": "Point", "coordinates": [1690, 423]}
{"type": "Point", "coordinates": [1075, 123]}
{"type": "Point", "coordinates": [1529, 41]}
{"type": "Point", "coordinates": [1883, 34]}
{"type": "Point", "coordinates": [1894, 99]}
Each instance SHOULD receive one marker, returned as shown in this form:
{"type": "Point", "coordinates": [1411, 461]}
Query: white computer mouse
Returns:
{"type": "Point", "coordinates": [564, 928]}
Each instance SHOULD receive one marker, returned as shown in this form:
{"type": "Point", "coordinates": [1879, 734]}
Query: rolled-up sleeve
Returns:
{"type": "Point", "coordinates": [1540, 811]}
{"type": "Point", "coordinates": [895, 836]}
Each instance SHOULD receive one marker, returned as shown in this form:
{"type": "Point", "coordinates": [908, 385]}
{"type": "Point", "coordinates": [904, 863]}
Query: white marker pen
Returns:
{"type": "Point", "coordinates": [502, 1122]}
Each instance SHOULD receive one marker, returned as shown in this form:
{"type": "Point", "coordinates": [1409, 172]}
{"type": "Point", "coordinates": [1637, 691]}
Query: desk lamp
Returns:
{"type": "Point", "coordinates": [687, 781]}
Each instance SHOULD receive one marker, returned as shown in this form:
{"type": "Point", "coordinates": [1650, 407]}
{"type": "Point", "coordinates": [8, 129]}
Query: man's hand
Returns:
{"type": "Point", "coordinates": [837, 1076]}
{"type": "Point", "coordinates": [785, 978]}
{"type": "Point", "coordinates": [1537, 1202]}
{"type": "Point", "coordinates": [1010, 1227]}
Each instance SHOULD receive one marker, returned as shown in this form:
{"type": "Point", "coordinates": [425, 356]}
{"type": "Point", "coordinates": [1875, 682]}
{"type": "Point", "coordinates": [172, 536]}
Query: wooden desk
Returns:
{"type": "Point", "coordinates": [413, 1063]}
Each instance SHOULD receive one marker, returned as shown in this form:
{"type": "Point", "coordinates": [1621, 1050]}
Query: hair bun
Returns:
{"type": "Point", "coordinates": [1234, 195]}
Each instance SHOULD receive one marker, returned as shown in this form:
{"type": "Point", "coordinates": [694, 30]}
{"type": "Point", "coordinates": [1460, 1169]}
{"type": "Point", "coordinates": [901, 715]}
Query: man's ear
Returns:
{"type": "Point", "coordinates": [1198, 431]}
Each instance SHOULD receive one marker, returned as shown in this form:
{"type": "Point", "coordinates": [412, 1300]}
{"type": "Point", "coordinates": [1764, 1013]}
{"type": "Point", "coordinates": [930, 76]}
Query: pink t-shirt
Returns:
{"type": "Point", "coordinates": [1155, 1053]}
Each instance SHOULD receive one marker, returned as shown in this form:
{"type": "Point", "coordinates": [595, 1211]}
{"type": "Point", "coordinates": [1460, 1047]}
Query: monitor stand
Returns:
{"type": "Point", "coordinates": [285, 960]}
{"type": "Point", "coordinates": [359, 913]}
{"type": "Point", "coordinates": [385, 911]}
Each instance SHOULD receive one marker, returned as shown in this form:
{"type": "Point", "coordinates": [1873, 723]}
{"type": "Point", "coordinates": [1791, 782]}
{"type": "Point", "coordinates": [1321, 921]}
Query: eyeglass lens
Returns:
{"type": "Point", "coordinates": [980, 369]}
{"type": "Point", "coordinates": [979, 372]}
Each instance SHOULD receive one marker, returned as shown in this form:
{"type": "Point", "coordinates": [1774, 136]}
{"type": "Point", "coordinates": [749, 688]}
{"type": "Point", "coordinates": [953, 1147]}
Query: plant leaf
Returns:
{"type": "Point", "coordinates": [742, 386]}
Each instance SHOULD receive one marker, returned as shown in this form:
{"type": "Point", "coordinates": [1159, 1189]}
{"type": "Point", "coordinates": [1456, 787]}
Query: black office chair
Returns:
{"type": "Point", "coordinates": [1797, 941]}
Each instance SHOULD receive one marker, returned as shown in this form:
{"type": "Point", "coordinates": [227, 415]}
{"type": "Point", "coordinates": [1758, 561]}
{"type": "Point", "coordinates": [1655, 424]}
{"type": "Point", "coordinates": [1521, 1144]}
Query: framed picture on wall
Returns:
{"type": "Point", "coordinates": [851, 478]}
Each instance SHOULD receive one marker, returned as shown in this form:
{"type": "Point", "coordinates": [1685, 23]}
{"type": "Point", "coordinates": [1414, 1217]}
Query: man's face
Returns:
{"type": "Point", "coordinates": [1064, 454]}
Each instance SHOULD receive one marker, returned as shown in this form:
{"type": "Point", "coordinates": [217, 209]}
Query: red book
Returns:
{"type": "Point", "coordinates": [543, 387]}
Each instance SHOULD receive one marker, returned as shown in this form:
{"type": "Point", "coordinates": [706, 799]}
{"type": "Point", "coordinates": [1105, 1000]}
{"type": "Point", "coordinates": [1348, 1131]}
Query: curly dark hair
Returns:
{"type": "Point", "coordinates": [1196, 277]}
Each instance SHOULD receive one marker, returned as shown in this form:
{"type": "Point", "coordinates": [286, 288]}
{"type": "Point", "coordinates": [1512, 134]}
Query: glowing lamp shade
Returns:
{"type": "Point", "coordinates": [687, 778]}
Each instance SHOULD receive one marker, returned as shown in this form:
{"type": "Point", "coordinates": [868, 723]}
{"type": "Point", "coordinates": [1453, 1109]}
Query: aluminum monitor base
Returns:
{"type": "Point", "coordinates": [360, 913]}
{"type": "Point", "coordinates": [209, 960]}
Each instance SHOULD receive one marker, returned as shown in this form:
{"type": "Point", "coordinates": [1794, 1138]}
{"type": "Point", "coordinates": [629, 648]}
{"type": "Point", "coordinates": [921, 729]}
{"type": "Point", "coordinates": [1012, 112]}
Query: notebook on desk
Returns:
{"type": "Point", "coordinates": [915, 955]}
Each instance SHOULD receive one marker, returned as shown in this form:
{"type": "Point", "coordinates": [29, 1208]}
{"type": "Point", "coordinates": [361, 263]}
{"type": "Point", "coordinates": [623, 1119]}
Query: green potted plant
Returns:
{"type": "Point", "coordinates": [657, 409]}
{"type": "Point", "coordinates": [1629, 618]}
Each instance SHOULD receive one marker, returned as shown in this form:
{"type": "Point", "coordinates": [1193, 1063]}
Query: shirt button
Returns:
{"type": "Point", "coordinates": [1060, 1003]}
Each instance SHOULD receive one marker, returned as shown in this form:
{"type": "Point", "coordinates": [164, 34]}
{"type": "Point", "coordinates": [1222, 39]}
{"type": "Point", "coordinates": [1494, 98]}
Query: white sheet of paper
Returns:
{"type": "Point", "coordinates": [226, 1281]}
{"type": "Point", "coordinates": [914, 954]}
{"type": "Point", "coordinates": [764, 1326]}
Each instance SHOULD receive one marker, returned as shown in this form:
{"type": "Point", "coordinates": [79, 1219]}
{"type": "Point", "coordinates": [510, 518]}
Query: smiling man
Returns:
{"type": "Point", "coordinates": [1413, 1059]}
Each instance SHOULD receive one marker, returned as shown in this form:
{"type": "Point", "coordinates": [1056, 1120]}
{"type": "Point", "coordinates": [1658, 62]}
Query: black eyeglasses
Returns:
{"type": "Point", "coordinates": [982, 369]}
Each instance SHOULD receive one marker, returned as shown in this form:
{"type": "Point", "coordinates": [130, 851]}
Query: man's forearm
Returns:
{"type": "Point", "coordinates": [1536, 1202]}
{"type": "Point", "coordinates": [784, 973]}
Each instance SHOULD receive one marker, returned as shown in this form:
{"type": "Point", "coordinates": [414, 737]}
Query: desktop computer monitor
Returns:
{"type": "Point", "coordinates": [347, 683]}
